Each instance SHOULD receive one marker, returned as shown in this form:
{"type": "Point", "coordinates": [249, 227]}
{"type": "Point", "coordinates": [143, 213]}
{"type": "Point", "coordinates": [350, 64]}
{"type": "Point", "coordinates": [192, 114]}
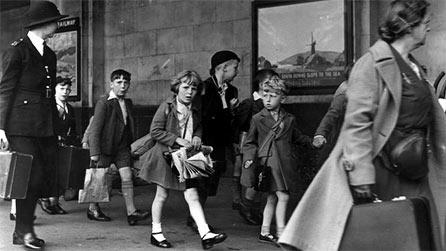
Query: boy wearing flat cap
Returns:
{"type": "Point", "coordinates": [218, 99]}
{"type": "Point", "coordinates": [26, 110]}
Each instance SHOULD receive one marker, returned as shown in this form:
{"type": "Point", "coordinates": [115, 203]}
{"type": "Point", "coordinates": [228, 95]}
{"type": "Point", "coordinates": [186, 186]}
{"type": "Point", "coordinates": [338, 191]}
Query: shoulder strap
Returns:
{"type": "Point", "coordinates": [15, 43]}
{"type": "Point", "coordinates": [269, 138]}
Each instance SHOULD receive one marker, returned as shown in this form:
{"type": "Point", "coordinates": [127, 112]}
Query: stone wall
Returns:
{"type": "Point", "coordinates": [154, 40]}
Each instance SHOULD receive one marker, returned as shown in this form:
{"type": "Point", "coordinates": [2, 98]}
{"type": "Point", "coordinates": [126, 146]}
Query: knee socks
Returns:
{"type": "Point", "coordinates": [127, 193]}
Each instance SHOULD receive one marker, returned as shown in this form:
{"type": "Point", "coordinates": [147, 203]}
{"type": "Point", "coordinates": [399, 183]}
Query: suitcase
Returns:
{"type": "Point", "coordinates": [15, 171]}
{"type": "Point", "coordinates": [71, 164]}
{"type": "Point", "coordinates": [391, 225]}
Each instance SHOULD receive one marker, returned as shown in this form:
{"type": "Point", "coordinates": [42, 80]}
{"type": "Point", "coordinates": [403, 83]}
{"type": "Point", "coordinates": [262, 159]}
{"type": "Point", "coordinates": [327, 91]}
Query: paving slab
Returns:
{"type": "Point", "coordinates": [75, 232]}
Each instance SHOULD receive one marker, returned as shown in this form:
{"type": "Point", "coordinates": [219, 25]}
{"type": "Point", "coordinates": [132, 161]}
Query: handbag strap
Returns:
{"type": "Point", "coordinates": [272, 133]}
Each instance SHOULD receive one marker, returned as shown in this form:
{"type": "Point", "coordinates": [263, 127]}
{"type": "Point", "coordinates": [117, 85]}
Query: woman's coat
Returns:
{"type": "Point", "coordinates": [374, 99]}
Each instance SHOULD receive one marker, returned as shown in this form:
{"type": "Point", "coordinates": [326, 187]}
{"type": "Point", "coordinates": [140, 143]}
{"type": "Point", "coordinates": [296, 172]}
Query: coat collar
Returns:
{"type": "Point", "coordinates": [111, 97]}
{"type": "Point", "coordinates": [31, 47]}
{"type": "Point", "coordinates": [387, 68]}
{"type": "Point", "coordinates": [172, 102]}
{"type": "Point", "coordinates": [268, 120]}
{"type": "Point", "coordinates": [37, 42]}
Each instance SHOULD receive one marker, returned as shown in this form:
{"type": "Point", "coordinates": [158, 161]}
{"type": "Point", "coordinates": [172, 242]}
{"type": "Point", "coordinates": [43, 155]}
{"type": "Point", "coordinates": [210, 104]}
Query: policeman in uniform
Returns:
{"type": "Point", "coordinates": [26, 110]}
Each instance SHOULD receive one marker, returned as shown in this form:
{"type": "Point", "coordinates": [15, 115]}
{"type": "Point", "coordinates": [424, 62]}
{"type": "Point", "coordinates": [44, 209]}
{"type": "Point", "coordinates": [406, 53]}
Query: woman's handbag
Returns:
{"type": "Point", "coordinates": [95, 186]}
{"type": "Point", "coordinates": [142, 145]}
{"type": "Point", "coordinates": [409, 157]}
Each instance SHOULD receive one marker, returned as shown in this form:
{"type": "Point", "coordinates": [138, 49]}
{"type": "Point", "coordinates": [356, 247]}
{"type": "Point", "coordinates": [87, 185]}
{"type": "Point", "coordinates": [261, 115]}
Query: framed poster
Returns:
{"type": "Point", "coordinates": [308, 42]}
{"type": "Point", "coordinates": [66, 44]}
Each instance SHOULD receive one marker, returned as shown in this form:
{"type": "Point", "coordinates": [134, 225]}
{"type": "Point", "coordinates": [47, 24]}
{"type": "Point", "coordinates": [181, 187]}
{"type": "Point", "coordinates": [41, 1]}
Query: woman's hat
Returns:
{"type": "Point", "coordinates": [41, 12]}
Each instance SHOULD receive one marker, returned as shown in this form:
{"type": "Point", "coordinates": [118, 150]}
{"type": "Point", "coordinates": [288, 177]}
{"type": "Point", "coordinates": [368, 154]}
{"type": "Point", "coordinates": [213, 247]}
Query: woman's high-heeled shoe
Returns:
{"type": "Point", "coordinates": [161, 244]}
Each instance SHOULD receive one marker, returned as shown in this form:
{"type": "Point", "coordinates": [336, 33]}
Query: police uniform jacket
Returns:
{"type": "Point", "coordinates": [25, 103]}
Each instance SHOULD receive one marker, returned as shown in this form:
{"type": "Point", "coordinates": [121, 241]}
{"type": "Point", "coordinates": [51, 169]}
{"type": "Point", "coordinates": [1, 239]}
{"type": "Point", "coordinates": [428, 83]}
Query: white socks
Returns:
{"type": "Point", "coordinates": [205, 233]}
{"type": "Point", "coordinates": [265, 230]}
{"type": "Point", "coordinates": [157, 232]}
{"type": "Point", "coordinates": [13, 208]}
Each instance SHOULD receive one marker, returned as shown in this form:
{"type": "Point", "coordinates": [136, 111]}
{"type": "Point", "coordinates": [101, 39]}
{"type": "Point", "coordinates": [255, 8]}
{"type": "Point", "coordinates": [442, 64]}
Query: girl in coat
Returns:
{"type": "Point", "coordinates": [176, 124]}
{"type": "Point", "coordinates": [272, 137]}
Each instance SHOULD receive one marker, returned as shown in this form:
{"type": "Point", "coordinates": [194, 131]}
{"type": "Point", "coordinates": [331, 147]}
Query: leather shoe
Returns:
{"type": "Point", "coordinates": [32, 242]}
{"type": "Point", "coordinates": [46, 207]}
{"type": "Point", "coordinates": [161, 244]}
{"type": "Point", "coordinates": [97, 215]}
{"type": "Point", "coordinates": [137, 216]}
{"type": "Point", "coordinates": [208, 243]}
{"type": "Point", "coordinates": [29, 240]}
{"type": "Point", "coordinates": [269, 238]}
{"type": "Point", "coordinates": [58, 209]}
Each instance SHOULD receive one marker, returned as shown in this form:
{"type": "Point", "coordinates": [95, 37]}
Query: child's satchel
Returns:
{"type": "Point", "coordinates": [263, 173]}
{"type": "Point", "coordinates": [263, 178]}
{"type": "Point", "coordinates": [409, 156]}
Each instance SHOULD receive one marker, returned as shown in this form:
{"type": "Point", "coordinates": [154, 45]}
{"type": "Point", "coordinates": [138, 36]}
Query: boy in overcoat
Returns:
{"type": "Point", "coordinates": [249, 209]}
{"type": "Point", "coordinates": [218, 99]}
{"type": "Point", "coordinates": [271, 141]}
{"type": "Point", "coordinates": [112, 131]}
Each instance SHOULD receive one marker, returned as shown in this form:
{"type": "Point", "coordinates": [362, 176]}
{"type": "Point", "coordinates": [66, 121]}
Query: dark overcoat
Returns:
{"type": "Point", "coordinates": [217, 131]}
{"type": "Point", "coordinates": [165, 130]}
{"type": "Point", "coordinates": [282, 155]}
{"type": "Point", "coordinates": [107, 126]}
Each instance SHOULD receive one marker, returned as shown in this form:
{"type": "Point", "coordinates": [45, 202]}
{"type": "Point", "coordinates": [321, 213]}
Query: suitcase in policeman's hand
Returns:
{"type": "Point", "coordinates": [391, 225]}
{"type": "Point", "coordinates": [71, 164]}
{"type": "Point", "coordinates": [15, 171]}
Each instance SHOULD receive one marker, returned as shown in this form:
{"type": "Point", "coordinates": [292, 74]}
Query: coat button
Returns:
{"type": "Point", "coordinates": [348, 166]}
